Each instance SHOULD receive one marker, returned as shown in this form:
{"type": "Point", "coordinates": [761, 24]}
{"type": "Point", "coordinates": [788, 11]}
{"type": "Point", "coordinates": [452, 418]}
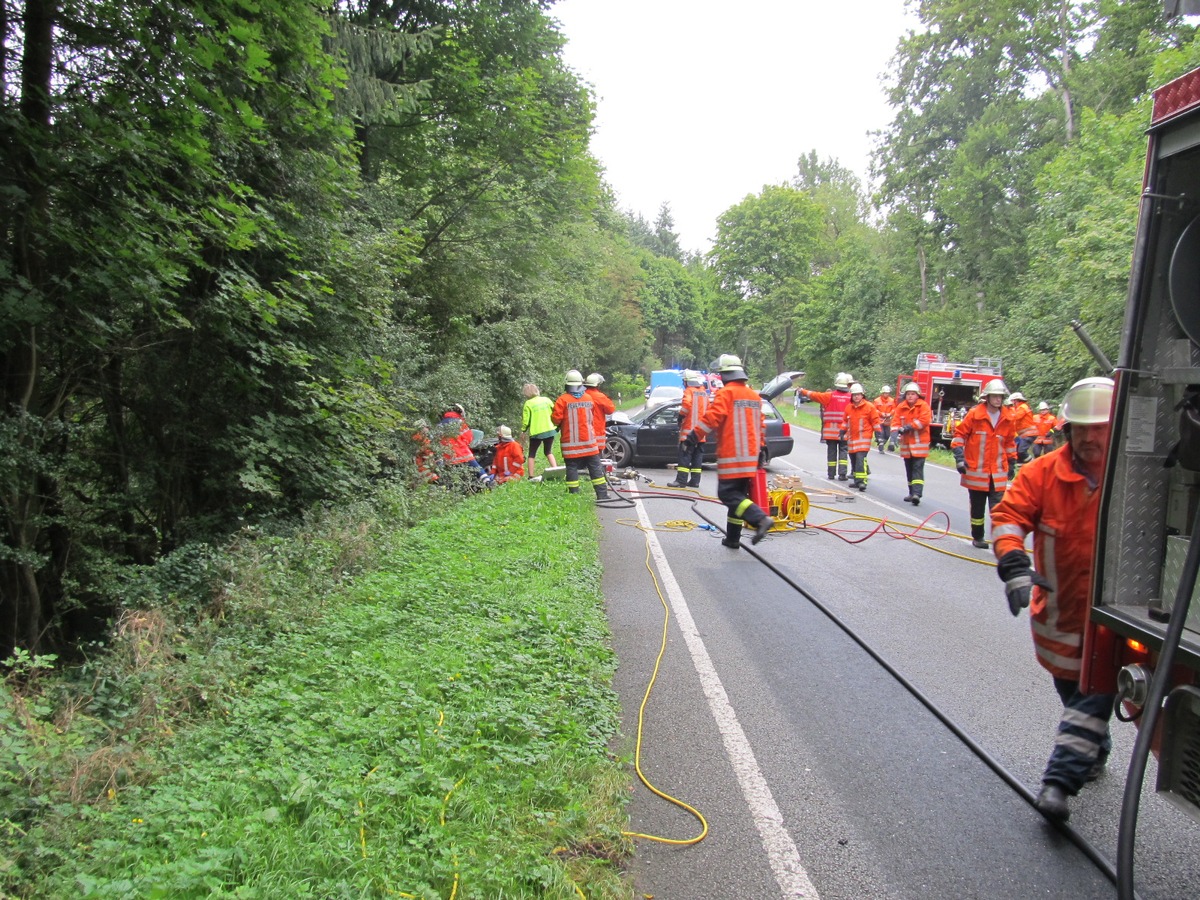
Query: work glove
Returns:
{"type": "Point", "coordinates": [1019, 578]}
{"type": "Point", "coordinates": [959, 462]}
{"type": "Point", "coordinates": [842, 437]}
{"type": "Point", "coordinates": [691, 441]}
{"type": "Point", "coordinates": [1012, 469]}
{"type": "Point", "coordinates": [906, 429]}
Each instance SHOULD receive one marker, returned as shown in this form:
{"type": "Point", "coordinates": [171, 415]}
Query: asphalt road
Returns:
{"type": "Point", "coordinates": [818, 773]}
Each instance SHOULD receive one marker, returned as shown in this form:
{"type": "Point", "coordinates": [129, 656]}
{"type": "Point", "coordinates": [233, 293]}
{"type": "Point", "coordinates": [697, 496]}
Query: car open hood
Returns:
{"type": "Point", "coordinates": [780, 383]}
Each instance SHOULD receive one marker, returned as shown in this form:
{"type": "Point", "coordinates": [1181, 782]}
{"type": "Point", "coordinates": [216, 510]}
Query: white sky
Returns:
{"type": "Point", "coordinates": [701, 103]}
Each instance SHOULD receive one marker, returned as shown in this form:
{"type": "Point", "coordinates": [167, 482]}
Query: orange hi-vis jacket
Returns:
{"type": "Point", "coordinates": [601, 409]}
{"type": "Point", "coordinates": [509, 462]}
{"type": "Point", "coordinates": [887, 408]}
{"type": "Point", "coordinates": [1054, 502]}
{"type": "Point", "coordinates": [1046, 422]}
{"type": "Point", "coordinates": [987, 449]}
{"type": "Point", "coordinates": [691, 411]}
{"type": "Point", "coordinates": [915, 443]}
{"type": "Point", "coordinates": [454, 437]}
{"type": "Point", "coordinates": [1023, 419]}
{"type": "Point", "coordinates": [736, 413]}
{"type": "Point", "coordinates": [861, 424]}
{"type": "Point", "coordinates": [833, 406]}
{"type": "Point", "coordinates": [576, 423]}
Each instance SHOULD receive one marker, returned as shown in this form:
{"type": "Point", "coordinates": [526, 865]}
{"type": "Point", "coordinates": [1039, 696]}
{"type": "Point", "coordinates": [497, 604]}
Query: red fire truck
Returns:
{"type": "Point", "coordinates": [1143, 641]}
{"type": "Point", "coordinates": [950, 388]}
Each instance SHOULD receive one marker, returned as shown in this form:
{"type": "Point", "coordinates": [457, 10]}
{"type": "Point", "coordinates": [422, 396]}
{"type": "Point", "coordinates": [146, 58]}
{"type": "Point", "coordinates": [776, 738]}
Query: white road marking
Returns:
{"type": "Point", "coordinates": [780, 848]}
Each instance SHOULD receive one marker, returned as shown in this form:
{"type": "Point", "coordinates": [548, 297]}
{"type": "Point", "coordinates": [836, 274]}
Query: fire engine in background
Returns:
{"type": "Point", "coordinates": [950, 389]}
{"type": "Point", "coordinates": [1143, 641]}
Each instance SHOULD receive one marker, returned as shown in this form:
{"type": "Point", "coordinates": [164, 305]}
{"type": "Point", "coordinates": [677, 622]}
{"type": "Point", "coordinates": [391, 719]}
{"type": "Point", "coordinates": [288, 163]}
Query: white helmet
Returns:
{"type": "Point", "coordinates": [731, 368]}
{"type": "Point", "coordinates": [594, 380]}
{"type": "Point", "coordinates": [1015, 396]}
{"type": "Point", "coordinates": [912, 386]}
{"type": "Point", "coordinates": [886, 389]}
{"type": "Point", "coordinates": [574, 379]}
{"type": "Point", "coordinates": [1089, 401]}
{"type": "Point", "coordinates": [504, 433]}
{"type": "Point", "coordinates": [1043, 406]}
{"type": "Point", "coordinates": [842, 381]}
{"type": "Point", "coordinates": [995, 386]}
{"type": "Point", "coordinates": [856, 388]}
{"type": "Point", "coordinates": [692, 378]}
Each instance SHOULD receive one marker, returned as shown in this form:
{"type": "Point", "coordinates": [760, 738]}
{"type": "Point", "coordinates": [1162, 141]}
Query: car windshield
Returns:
{"type": "Point", "coordinates": [655, 414]}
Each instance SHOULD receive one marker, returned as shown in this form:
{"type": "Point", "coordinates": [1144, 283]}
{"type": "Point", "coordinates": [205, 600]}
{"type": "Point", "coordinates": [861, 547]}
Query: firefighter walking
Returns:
{"type": "Point", "coordinates": [985, 454]}
{"type": "Point", "coordinates": [575, 417]}
{"type": "Point", "coordinates": [833, 409]}
{"type": "Point", "coordinates": [887, 408]}
{"type": "Point", "coordinates": [1056, 498]}
{"type": "Point", "coordinates": [736, 416]}
{"type": "Point", "coordinates": [911, 420]}
{"type": "Point", "coordinates": [691, 411]}
{"type": "Point", "coordinates": [860, 425]}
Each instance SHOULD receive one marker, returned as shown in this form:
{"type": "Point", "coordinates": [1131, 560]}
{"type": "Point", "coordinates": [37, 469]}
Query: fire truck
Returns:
{"type": "Point", "coordinates": [1143, 637]}
{"type": "Point", "coordinates": [950, 388]}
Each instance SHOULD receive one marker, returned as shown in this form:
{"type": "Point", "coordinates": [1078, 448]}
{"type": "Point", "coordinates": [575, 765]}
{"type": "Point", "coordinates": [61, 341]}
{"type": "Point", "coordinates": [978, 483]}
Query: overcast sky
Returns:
{"type": "Point", "coordinates": [702, 102]}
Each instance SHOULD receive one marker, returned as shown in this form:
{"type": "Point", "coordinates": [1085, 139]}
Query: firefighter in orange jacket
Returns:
{"type": "Point", "coordinates": [454, 437]}
{"type": "Point", "coordinates": [574, 416]}
{"type": "Point", "coordinates": [1056, 499]}
{"type": "Point", "coordinates": [860, 424]}
{"type": "Point", "coordinates": [691, 411]}
{"type": "Point", "coordinates": [602, 408]}
{"type": "Point", "coordinates": [985, 454]}
{"type": "Point", "coordinates": [1023, 423]}
{"type": "Point", "coordinates": [736, 414]}
{"type": "Point", "coordinates": [833, 408]}
{"type": "Point", "coordinates": [887, 408]}
{"type": "Point", "coordinates": [911, 421]}
{"type": "Point", "coordinates": [1046, 423]}
{"type": "Point", "coordinates": [509, 462]}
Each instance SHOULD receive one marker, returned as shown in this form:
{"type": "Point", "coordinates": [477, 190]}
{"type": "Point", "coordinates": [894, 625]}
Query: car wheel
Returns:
{"type": "Point", "coordinates": [618, 450]}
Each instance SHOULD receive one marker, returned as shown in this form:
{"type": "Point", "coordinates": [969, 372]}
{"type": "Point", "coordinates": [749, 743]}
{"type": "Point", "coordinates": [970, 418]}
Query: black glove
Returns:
{"type": "Point", "coordinates": [1012, 469]}
{"type": "Point", "coordinates": [691, 441]}
{"type": "Point", "coordinates": [842, 437]}
{"type": "Point", "coordinates": [959, 462]}
{"type": "Point", "coordinates": [906, 429]}
{"type": "Point", "coordinates": [1019, 578]}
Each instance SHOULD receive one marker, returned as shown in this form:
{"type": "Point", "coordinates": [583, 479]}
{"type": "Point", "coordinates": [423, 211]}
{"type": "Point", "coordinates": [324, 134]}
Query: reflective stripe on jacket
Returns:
{"type": "Point", "coordinates": [1053, 501]}
{"type": "Point", "coordinates": [601, 408]}
{"type": "Point", "coordinates": [987, 449]}
{"type": "Point", "coordinates": [1022, 417]}
{"type": "Point", "coordinates": [833, 406]}
{"type": "Point", "coordinates": [861, 424]}
{"type": "Point", "coordinates": [736, 413]}
{"type": "Point", "coordinates": [915, 444]}
{"type": "Point", "coordinates": [692, 410]}
{"type": "Point", "coordinates": [576, 425]}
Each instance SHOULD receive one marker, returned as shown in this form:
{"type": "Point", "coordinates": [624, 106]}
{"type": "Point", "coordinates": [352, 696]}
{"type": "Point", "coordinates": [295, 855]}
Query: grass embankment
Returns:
{"type": "Point", "coordinates": [436, 726]}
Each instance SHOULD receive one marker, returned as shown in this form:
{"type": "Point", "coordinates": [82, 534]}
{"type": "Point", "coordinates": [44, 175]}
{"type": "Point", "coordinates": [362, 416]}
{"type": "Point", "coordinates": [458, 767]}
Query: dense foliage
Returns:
{"type": "Point", "coordinates": [246, 246]}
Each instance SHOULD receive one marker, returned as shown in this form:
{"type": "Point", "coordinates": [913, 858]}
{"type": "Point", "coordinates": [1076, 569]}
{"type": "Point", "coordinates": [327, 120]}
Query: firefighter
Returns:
{"type": "Point", "coordinates": [833, 408]}
{"type": "Point", "coordinates": [1026, 428]}
{"type": "Point", "coordinates": [1056, 498]}
{"type": "Point", "coordinates": [912, 419]}
{"type": "Point", "coordinates": [509, 462]}
{"type": "Point", "coordinates": [454, 437]}
{"type": "Point", "coordinates": [602, 408]}
{"type": "Point", "coordinates": [860, 423]}
{"type": "Point", "coordinates": [985, 454]}
{"type": "Point", "coordinates": [691, 411]}
{"type": "Point", "coordinates": [1046, 423]}
{"type": "Point", "coordinates": [574, 415]}
{"type": "Point", "coordinates": [886, 406]}
{"type": "Point", "coordinates": [736, 415]}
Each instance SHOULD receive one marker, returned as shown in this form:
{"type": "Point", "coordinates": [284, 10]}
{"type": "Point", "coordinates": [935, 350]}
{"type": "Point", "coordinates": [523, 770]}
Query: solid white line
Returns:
{"type": "Point", "coordinates": [781, 849]}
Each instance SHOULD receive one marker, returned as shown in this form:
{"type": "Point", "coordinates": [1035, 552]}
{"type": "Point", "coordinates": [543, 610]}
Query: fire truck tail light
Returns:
{"type": "Point", "coordinates": [1140, 649]}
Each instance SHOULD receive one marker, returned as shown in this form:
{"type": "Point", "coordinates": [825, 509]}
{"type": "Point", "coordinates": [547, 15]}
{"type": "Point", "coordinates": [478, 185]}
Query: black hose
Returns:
{"type": "Point", "coordinates": [1127, 830]}
{"type": "Point", "coordinates": [1097, 858]}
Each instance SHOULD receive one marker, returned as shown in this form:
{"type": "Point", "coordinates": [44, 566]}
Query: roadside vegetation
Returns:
{"type": "Point", "coordinates": [407, 699]}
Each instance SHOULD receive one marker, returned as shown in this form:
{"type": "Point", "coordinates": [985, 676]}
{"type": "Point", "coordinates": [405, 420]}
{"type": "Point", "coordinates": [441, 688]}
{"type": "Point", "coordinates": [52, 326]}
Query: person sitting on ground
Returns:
{"type": "Point", "coordinates": [509, 462]}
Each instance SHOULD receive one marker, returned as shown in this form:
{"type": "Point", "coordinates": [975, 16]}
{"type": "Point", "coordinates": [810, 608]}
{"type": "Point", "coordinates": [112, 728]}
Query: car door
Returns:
{"type": "Point", "coordinates": [658, 438]}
